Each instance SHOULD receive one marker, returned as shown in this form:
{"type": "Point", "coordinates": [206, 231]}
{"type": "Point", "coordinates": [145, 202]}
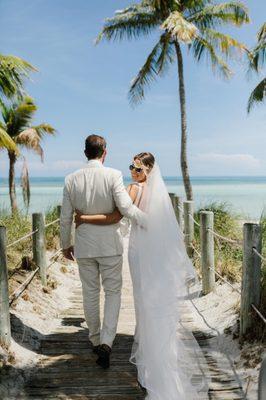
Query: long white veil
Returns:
{"type": "Point", "coordinates": [168, 358]}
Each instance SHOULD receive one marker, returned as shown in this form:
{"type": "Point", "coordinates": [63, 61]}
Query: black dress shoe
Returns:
{"type": "Point", "coordinates": [95, 349]}
{"type": "Point", "coordinates": [142, 388]}
{"type": "Point", "coordinates": [104, 352]}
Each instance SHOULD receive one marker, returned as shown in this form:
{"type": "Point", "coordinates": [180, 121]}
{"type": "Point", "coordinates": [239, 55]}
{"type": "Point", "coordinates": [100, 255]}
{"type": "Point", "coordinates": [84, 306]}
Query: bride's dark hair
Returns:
{"type": "Point", "coordinates": [147, 159]}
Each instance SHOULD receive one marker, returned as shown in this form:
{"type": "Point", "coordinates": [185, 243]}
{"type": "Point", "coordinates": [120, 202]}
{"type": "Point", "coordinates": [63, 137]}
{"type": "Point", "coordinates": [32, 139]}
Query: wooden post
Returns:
{"type": "Point", "coordinates": [39, 245]}
{"type": "Point", "coordinates": [180, 212]}
{"type": "Point", "coordinates": [173, 198]}
{"type": "Point", "coordinates": [262, 381]}
{"type": "Point", "coordinates": [58, 208]}
{"type": "Point", "coordinates": [188, 226]}
{"type": "Point", "coordinates": [5, 330]}
{"type": "Point", "coordinates": [251, 275]}
{"type": "Point", "coordinates": [207, 251]}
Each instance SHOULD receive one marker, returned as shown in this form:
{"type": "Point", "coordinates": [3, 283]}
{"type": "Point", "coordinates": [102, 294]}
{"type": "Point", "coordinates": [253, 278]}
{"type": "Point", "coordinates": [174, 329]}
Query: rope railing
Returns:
{"type": "Point", "coordinates": [51, 223]}
{"type": "Point", "coordinates": [263, 259]}
{"type": "Point", "coordinates": [207, 258]}
{"type": "Point", "coordinates": [39, 260]}
{"type": "Point", "coordinates": [18, 292]}
{"type": "Point", "coordinates": [232, 241]}
{"type": "Point", "coordinates": [22, 238]}
{"type": "Point", "coordinates": [193, 219]}
{"type": "Point", "coordinates": [31, 234]}
{"type": "Point", "coordinates": [55, 255]}
{"type": "Point", "coordinates": [196, 251]}
{"type": "Point", "coordinates": [225, 280]}
{"type": "Point", "coordinates": [259, 313]}
{"type": "Point", "coordinates": [23, 286]}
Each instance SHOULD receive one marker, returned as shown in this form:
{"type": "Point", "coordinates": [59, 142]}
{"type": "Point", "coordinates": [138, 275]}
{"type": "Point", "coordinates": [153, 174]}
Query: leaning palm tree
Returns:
{"type": "Point", "coordinates": [17, 124]}
{"type": "Point", "coordinates": [191, 23]}
{"type": "Point", "coordinates": [258, 58]}
{"type": "Point", "coordinates": [13, 72]}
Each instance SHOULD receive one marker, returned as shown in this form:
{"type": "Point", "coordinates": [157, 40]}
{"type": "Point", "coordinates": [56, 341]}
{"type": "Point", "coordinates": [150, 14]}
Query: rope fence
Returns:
{"type": "Point", "coordinates": [226, 239]}
{"type": "Point", "coordinates": [38, 235]}
{"type": "Point", "coordinates": [206, 256]}
{"type": "Point", "coordinates": [22, 238]}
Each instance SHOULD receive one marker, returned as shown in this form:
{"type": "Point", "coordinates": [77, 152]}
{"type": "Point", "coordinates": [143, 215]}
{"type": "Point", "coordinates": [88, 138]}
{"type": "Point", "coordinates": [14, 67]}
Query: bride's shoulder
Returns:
{"type": "Point", "coordinates": [134, 186]}
{"type": "Point", "coordinates": [133, 190]}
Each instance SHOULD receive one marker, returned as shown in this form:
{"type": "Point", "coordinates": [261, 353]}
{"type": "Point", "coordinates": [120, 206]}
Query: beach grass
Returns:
{"type": "Point", "coordinates": [228, 257]}
{"type": "Point", "coordinates": [18, 225]}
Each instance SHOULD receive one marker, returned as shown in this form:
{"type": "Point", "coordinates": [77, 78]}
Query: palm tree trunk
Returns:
{"type": "Point", "coordinates": [182, 99]}
{"type": "Point", "coordinates": [12, 187]}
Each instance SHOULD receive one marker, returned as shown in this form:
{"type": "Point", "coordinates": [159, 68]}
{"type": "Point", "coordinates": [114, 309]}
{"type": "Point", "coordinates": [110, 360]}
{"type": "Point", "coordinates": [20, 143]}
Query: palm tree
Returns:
{"type": "Point", "coordinates": [13, 71]}
{"type": "Point", "coordinates": [17, 124]}
{"type": "Point", "coordinates": [257, 61]}
{"type": "Point", "coordinates": [181, 22]}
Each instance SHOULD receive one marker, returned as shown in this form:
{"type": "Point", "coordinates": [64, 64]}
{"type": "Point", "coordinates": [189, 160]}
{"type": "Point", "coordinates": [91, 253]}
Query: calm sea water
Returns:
{"type": "Point", "coordinates": [246, 195]}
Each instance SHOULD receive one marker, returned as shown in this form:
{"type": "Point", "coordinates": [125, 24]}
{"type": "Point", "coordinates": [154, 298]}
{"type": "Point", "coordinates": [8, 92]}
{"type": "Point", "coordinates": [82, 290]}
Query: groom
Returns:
{"type": "Point", "coordinates": [98, 250]}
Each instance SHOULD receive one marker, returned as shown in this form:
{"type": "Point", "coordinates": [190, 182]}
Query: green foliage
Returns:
{"type": "Point", "coordinates": [52, 231]}
{"type": "Point", "coordinates": [190, 22]}
{"type": "Point", "coordinates": [17, 126]}
{"type": "Point", "coordinates": [18, 225]}
{"type": "Point", "coordinates": [257, 61]}
{"type": "Point", "coordinates": [13, 72]}
{"type": "Point", "coordinates": [228, 257]}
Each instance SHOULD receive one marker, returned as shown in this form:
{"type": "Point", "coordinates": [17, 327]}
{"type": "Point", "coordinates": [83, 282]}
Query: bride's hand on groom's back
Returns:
{"type": "Point", "coordinates": [78, 218]}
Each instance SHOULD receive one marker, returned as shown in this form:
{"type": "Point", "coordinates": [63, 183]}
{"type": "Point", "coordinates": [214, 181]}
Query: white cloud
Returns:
{"type": "Point", "coordinates": [229, 160]}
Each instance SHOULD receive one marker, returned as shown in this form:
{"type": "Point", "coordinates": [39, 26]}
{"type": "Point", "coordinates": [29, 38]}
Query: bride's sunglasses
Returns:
{"type": "Point", "coordinates": [132, 166]}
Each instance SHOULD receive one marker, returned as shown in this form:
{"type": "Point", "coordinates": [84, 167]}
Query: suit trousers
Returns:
{"type": "Point", "coordinates": [110, 271]}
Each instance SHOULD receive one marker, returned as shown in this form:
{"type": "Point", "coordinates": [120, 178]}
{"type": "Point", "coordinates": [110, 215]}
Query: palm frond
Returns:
{"type": "Point", "coordinates": [6, 141]}
{"type": "Point", "coordinates": [202, 47]}
{"type": "Point", "coordinates": [129, 23]}
{"type": "Point", "coordinates": [258, 95]}
{"type": "Point", "coordinates": [31, 140]}
{"type": "Point", "coordinates": [259, 52]}
{"type": "Point", "coordinates": [262, 34]}
{"type": "Point", "coordinates": [25, 183]}
{"type": "Point", "coordinates": [224, 43]}
{"type": "Point", "coordinates": [13, 72]}
{"type": "Point", "coordinates": [44, 129]}
{"type": "Point", "coordinates": [20, 116]}
{"type": "Point", "coordinates": [210, 16]}
{"type": "Point", "coordinates": [156, 64]}
{"type": "Point", "coordinates": [179, 28]}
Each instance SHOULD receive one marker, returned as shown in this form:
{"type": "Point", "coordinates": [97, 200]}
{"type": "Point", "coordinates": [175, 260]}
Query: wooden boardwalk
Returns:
{"type": "Point", "coordinates": [66, 368]}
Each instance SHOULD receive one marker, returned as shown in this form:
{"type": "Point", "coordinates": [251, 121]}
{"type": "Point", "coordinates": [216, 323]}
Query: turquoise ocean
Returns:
{"type": "Point", "coordinates": [245, 194]}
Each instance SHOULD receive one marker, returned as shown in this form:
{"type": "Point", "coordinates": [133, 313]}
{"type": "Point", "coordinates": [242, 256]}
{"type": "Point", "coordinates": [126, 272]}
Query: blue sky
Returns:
{"type": "Point", "coordinates": [81, 89]}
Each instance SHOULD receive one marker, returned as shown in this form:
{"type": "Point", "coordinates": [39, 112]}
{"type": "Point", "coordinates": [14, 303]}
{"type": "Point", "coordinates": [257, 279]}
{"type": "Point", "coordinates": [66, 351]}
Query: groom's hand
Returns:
{"type": "Point", "coordinates": [68, 253]}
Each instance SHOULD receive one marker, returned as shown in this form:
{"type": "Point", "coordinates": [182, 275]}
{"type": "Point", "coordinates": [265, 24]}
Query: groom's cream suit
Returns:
{"type": "Point", "coordinates": [96, 189]}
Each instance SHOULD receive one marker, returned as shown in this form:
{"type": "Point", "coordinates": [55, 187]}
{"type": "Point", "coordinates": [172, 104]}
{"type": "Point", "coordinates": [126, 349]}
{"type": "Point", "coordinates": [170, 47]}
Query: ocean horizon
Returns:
{"type": "Point", "coordinates": [245, 195]}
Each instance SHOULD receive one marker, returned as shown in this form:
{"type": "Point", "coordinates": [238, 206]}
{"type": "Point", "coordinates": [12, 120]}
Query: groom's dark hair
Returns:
{"type": "Point", "coordinates": [94, 146]}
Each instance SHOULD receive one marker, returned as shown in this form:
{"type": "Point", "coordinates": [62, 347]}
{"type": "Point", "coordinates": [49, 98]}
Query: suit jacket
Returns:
{"type": "Point", "coordinates": [95, 189]}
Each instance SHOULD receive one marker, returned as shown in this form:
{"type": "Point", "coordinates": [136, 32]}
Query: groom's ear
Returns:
{"type": "Point", "coordinates": [104, 155]}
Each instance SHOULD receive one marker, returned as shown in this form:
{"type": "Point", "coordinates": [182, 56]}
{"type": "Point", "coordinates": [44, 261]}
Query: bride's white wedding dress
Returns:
{"type": "Point", "coordinates": [169, 361]}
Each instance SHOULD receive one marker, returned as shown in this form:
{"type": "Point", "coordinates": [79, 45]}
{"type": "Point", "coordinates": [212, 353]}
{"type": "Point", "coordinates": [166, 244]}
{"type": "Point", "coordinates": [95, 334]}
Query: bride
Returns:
{"type": "Point", "coordinates": [169, 361]}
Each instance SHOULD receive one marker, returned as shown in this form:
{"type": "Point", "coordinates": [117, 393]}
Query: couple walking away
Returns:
{"type": "Point", "coordinates": [168, 359]}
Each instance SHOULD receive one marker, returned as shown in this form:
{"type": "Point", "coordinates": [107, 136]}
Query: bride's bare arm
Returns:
{"type": "Point", "coordinates": [99, 219]}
